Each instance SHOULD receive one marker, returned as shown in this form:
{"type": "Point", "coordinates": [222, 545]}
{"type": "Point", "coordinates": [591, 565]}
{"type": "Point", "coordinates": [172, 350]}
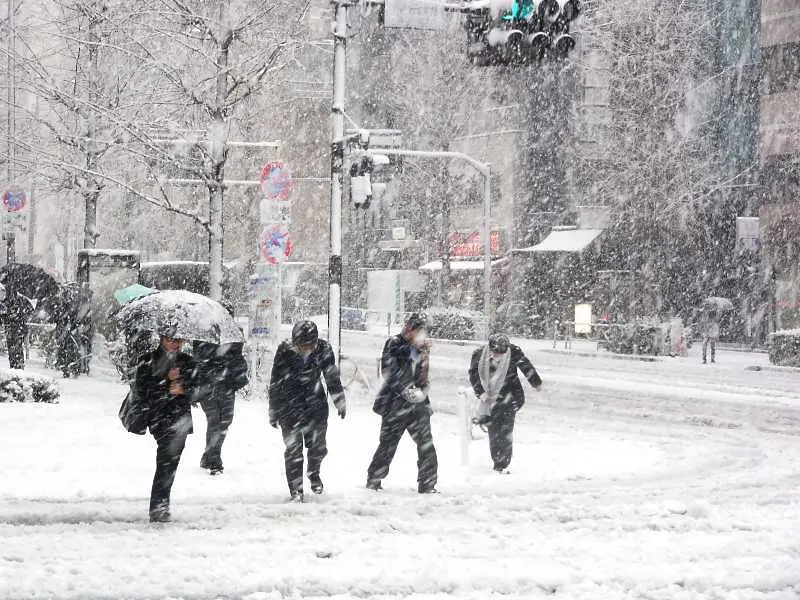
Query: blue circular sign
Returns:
{"type": "Point", "coordinates": [14, 198]}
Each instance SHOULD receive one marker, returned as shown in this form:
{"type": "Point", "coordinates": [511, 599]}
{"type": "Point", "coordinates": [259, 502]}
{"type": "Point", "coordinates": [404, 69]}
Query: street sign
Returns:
{"type": "Point", "coordinates": [414, 14]}
{"type": "Point", "coordinates": [276, 181]}
{"type": "Point", "coordinates": [14, 198]}
{"type": "Point", "coordinates": [275, 244]}
{"type": "Point", "coordinates": [264, 304]}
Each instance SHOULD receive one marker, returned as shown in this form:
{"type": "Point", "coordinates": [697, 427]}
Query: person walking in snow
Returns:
{"type": "Point", "coordinates": [494, 379]}
{"type": "Point", "coordinates": [221, 371]}
{"type": "Point", "coordinates": [403, 404]}
{"type": "Point", "coordinates": [164, 383]}
{"type": "Point", "coordinates": [298, 403]}
{"type": "Point", "coordinates": [710, 328]}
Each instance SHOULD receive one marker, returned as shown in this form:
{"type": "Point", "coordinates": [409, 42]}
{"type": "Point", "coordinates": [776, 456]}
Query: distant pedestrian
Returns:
{"type": "Point", "coordinates": [494, 379]}
{"type": "Point", "coordinates": [298, 403]}
{"type": "Point", "coordinates": [221, 370]}
{"type": "Point", "coordinates": [710, 328]}
{"type": "Point", "coordinates": [15, 310]}
{"type": "Point", "coordinates": [164, 381]}
{"type": "Point", "coordinates": [403, 404]}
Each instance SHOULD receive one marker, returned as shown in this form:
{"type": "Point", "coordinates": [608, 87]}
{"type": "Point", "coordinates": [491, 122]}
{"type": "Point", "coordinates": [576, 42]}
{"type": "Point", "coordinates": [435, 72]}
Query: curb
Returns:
{"type": "Point", "coordinates": [641, 358]}
{"type": "Point", "coordinates": [773, 368]}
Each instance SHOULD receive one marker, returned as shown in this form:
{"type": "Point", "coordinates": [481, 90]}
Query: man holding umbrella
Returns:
{"type": "Point", "coordinates": [163, 383]}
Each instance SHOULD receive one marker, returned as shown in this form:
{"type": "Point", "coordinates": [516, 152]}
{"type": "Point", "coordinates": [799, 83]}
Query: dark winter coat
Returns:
{"type": "Point", "coordinates": [220, 368]}
{"type": "Point", "coordinates": [152, 386]}
{"type": "Point", "coordinates": [511, 394]}
{"type": "Point", "coordinates": [399, 374]}
{"type": "Point", "coordinates": [296, 395]}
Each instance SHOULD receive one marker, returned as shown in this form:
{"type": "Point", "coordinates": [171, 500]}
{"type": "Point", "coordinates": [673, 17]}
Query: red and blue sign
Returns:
{"type": "Point", "coordinates": [275, 244]}
{"type": "Point", "coordinates": [276, 180]}
{"type": "Point", "coordinates": [14, 199]}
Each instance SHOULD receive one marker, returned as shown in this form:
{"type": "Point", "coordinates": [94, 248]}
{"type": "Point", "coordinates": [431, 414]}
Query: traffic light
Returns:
{"type": "Point", "coordinates": [361, 182]}
{"type": "Point", "coordinates": [522, 34]}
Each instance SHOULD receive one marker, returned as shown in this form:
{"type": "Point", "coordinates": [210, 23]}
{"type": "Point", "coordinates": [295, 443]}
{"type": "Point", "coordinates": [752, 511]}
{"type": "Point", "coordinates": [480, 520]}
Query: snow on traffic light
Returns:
{"type": "Point", "coordinates": [519, 32]}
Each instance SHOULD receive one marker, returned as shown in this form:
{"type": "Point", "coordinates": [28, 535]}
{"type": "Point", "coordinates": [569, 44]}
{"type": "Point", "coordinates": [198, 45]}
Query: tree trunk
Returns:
{"type": "Point", "coordinates": [92, 189]}
{"type": "Point", "coordinates": [218, 139]}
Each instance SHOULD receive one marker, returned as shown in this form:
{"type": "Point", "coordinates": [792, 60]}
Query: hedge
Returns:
{"type": "Point", "coordinates": [20, 386]}
{"type": "Point", "coordinates": [784, 348]}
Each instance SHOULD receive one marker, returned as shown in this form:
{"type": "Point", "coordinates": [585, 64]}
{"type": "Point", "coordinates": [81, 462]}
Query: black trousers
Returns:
{"type": "Point", "coordinates": [170, 442]}
{"type": "Point", "coordinates": [218, 407]}
{"type": "Point", "coordinates": [310, 434]}
{"type": "Point", "coordinates": [501, 437]}
{"type": "Point", "coordinates": [15, 340]}
{"type": "Point", "coordinates": [416, 419]}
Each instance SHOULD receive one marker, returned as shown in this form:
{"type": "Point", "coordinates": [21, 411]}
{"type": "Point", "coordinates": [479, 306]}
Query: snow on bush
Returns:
{"type": "Point", "coordinates": [19, 386]}
{"type": "Point", "coordinates": [784, 348]}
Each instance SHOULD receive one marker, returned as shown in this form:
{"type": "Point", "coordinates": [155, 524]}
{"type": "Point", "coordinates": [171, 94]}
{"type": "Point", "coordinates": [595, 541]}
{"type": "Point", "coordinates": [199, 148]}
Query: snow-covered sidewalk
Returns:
{"type": "Point", "coordinates": [599, 505]}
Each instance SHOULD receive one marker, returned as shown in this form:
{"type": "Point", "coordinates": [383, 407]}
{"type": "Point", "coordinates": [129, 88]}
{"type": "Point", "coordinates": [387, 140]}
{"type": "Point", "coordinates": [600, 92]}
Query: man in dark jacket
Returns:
{"type": "Point", "coordinates": [299, 403]}
{"type": "Point", "coordinates": [221, 370]}
{"type": "Point", "coordinates": [403, 404]}
{"type": "Point", "coordinates": [164, 382]}
{"type": "Point", "coordinates": [494, 378]}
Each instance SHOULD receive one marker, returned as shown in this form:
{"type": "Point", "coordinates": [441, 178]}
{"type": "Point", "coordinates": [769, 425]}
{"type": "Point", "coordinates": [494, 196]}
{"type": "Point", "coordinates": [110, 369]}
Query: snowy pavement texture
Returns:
{"type": "Point", "coordinates": [657, 480]}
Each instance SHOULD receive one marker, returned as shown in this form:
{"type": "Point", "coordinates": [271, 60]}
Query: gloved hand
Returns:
{"type": "Point", "coordinates": [414, 395]}
{"type": "Point", "coordinates": [342, 411]}
{"type": "Point", "coordinates": [273, 424]}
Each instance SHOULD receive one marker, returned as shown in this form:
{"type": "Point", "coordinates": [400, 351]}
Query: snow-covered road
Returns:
{"type": "Point", "coordinates": [631, 479]}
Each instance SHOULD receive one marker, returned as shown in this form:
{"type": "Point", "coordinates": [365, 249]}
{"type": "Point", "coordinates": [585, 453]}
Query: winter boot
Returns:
{"type": "Point", "coordinates": [374, 485]}
{"type": "Point", "coordinates": [316, 484]}
{"type": "Point", "coordinates": [297, 497]}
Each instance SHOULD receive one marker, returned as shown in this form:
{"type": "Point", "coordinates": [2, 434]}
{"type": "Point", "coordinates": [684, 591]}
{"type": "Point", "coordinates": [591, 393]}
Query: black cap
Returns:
{"type": "Point", "coordinates": [498, 342]}
{"type": "Point", "coordinates": [305, 332]}
{"type": "Point", "coordinates": [416, 321]}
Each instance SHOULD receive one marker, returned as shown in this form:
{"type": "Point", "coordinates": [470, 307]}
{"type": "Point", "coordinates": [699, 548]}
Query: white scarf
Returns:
{"type": "Point", "coordinates": [493, 382]}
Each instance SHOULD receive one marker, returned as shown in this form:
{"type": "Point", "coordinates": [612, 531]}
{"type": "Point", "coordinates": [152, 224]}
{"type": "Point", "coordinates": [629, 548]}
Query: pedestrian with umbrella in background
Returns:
{"type": "Point", "coordinates": [712, 310]}
{"type": "Point", "coordinates": [165, 381]}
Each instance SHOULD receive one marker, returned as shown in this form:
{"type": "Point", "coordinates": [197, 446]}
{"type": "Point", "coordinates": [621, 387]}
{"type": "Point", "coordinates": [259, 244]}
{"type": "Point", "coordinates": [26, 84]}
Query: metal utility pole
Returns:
{"type": "Point", "coordinates": [9, 236]}
{"type": "Point", "coordinates": [337, 174]}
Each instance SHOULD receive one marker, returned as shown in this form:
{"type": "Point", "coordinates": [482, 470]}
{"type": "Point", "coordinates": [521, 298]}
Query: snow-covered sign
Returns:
{"type": "Point", "coordinates": [748, 233]}
{"type": "Point", "coordinates": [264, 304]}
{"type": "Point", "coordinates": [414, 14]}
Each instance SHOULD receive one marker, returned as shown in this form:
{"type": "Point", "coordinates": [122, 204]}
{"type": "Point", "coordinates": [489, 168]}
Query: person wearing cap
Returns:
{"type": "Point", "coordinates": [299, 405]}
{"type": "Point", "coordinates": [164, 380]}
{"type": "Point", "coordinates": [495, 381]}
{"type": "Point", "coordinates": [403, 404]}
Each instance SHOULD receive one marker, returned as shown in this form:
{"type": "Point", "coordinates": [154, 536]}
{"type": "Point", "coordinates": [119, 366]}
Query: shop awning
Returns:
{"type": "Point", "coordinates": [565, 240]}
{"type": "Point", "coordinates": [461, 265]}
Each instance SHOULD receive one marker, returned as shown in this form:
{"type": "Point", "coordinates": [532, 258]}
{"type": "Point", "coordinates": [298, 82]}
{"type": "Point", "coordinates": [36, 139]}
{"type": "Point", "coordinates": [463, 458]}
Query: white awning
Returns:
{"type": "Point", "coordinates": [461, 265]}
{"type": "Point", "coordinates": [564, 240]}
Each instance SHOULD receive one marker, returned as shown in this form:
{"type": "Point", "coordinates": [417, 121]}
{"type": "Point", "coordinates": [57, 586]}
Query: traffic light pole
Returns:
{"type": "Point", "coordinates": [337, 176]}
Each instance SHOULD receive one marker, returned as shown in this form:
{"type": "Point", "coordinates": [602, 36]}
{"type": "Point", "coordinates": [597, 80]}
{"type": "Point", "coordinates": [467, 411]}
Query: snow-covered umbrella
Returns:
{"type": "Point", "coordinates": [717, 303]}
{"type": "Point", "coordinates": [183, 315]}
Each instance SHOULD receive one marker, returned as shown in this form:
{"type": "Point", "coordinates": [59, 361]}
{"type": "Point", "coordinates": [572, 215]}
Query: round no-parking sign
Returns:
{"type": "Point", "coordinates": [14, 198]}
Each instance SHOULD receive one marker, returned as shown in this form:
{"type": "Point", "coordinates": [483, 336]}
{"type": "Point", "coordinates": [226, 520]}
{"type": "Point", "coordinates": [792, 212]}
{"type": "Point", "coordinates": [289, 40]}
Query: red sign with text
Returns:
{"type": "Point", "coordinates": [468, 245]}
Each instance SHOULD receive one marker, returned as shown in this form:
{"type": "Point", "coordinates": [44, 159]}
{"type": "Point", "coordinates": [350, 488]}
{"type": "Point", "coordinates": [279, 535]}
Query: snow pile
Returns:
{"type": "Point", "coordinates": [20, 386]}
